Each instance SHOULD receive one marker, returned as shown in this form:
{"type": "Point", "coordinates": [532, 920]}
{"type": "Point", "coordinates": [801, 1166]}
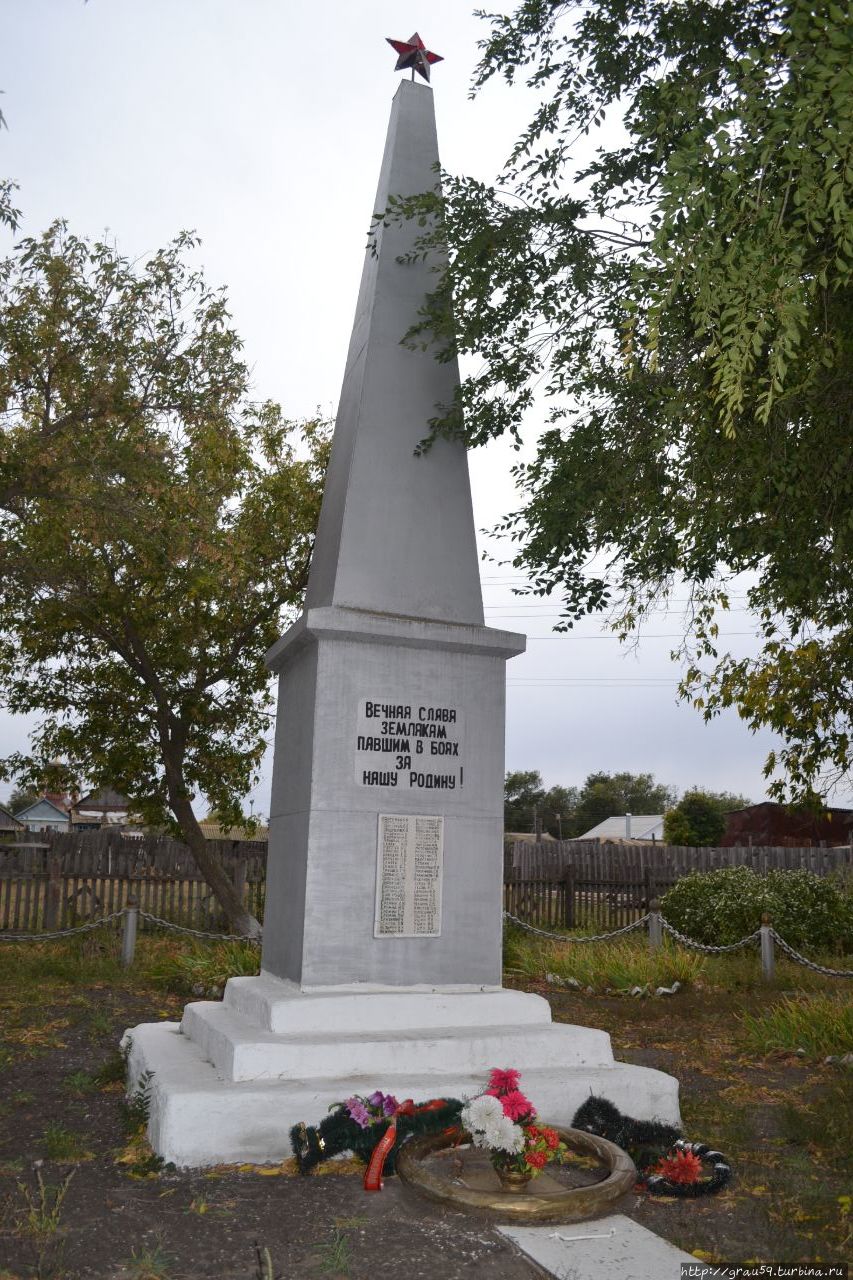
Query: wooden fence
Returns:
{"type": "Point", "coordinates": [57, 881]}
{"type": "Point", "coordinates": [573, 900]}
{"type": "Point", "coordinates": [60, 880]}
{"type": "Point", "coordinates": [616, 861]}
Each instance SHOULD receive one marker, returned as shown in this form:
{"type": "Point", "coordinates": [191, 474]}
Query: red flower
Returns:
{"type": "Point", "coordinates": [679, 1166]}
{"type": "Point", "coordinates": [537, 1159]}
{"type": "Point", "coordinates": [516, 1106]}
{"type": "Point", "coordinates": [502, 1081]}
{"type": "Point", "coordinates": [551, 1137]}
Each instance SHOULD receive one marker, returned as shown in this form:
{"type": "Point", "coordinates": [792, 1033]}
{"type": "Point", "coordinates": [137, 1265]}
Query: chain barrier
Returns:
{"type": "Point", "coordinates": [521, 924]}
{"type": "Point", "coordinates": [60, 933]}
{"type": "Point", "coordinates": [808, 964]}
{"type": "Point", "coordinates": [702, 946]}
{"type": "Point", "coordinates": [596, 937]}
{"type": "Point", "coordinates": [197, 933]}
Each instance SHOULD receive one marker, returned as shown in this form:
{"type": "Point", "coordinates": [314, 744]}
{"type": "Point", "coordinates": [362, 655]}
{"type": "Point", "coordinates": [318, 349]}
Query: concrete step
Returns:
{"type": "Point", "coordinates": [272, 1004]}
{"type": "Point", "coordinates": [239, 1051]}
{"type": "Point", "coordinates": [197, 1118]}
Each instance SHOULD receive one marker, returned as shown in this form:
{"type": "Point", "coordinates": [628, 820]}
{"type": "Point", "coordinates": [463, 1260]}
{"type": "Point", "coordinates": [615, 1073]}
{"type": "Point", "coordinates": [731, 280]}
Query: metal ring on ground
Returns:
{"type": "Point", "coordinates": [572, 1205]}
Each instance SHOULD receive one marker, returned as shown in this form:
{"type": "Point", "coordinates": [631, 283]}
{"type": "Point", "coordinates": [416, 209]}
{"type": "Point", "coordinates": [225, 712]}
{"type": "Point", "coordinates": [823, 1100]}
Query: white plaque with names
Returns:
{"type": "Point", "coordinates": [409, 860]}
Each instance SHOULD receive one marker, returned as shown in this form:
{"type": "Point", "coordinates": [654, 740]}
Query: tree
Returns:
{"type": "Point", "coordinates": [523, 795]}
{"type": "Point", "coordinates": [683, 299]}
{"type": "Point", "coordinates": [155, 531]}
{"type": "Point", "coordinates": [558, 809]}
{"type": "Point", "coordinates": [696, 820]}
{"type": "Point", "coordinates": [21, 798]}
{"type": "Point", "coordinates": [604, 795]}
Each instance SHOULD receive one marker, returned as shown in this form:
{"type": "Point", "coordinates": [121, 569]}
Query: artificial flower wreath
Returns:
{"type": "Point", "coordinates": [668, 1165]}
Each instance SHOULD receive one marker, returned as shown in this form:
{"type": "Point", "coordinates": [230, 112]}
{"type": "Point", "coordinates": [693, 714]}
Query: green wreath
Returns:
{"type": "Point", "coordinates": [338, 1132]}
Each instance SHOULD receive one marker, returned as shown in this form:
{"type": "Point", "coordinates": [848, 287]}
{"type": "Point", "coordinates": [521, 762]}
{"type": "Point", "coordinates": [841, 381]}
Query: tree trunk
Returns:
{"type": "Point", "coordinates": [240, 920]}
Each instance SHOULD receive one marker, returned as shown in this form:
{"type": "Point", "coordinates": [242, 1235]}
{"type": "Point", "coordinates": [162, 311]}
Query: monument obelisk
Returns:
{"type": "Point", "coordinates": [381, 963]}
{"type": "Point", "coordinates": [387, 798]}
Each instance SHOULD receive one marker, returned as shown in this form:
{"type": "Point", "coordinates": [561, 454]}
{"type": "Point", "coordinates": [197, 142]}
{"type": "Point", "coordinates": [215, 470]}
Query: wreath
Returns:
{"type": "Point", "coordinates": [360, 1133]}
{"type": "Point", "coordinates": [668, 1164]}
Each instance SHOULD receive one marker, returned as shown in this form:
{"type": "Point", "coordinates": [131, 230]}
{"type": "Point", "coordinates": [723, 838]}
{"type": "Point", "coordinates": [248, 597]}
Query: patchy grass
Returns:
{"type": "Point", "coordinates": [63, 1145]}
{"type": "Point", "coordinates": [820, 1024]}
{"type": "Point", "coordinates": [615, 966]}
{"type": "Point", "coordinates": [200, 968]}
{"type": "Point", "coordinates": [150, 1262]}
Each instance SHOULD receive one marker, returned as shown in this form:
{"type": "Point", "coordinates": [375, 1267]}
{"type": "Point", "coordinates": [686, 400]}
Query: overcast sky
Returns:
{"type": "Point", "coordinates": [260, 124]}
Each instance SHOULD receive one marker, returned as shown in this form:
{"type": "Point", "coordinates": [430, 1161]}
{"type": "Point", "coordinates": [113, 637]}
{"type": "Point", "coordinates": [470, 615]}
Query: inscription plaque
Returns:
{"type": "Point", "coordinates": [409, 745]}
{"type": "Point", "coordinates": [409, 859]}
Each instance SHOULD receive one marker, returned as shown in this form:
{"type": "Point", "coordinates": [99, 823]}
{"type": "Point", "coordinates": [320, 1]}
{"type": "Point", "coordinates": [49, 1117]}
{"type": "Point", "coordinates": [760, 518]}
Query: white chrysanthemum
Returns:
{"type": "Point", "coordinates": [480, 1112]}
{"type": "Point", "coordinates": [503, 1135]}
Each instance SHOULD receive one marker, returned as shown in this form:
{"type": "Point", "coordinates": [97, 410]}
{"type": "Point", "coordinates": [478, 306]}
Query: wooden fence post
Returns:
{"type": "Point", "coordinates": [569, 883]}
{"type": "Point", "coordinates": [768, 963]}
{"type": "Point", "coordinates": [53, 892]}
{"type": "Point", "coordinates": [128, 933]}
{"type": "Point", "coordinates": [655, 926]}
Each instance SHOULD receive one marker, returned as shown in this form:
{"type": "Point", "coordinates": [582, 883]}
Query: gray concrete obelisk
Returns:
{"type": "Point", "coordinates": [382, 925]}
{"type": "Point", "coordinates": [391, 690]}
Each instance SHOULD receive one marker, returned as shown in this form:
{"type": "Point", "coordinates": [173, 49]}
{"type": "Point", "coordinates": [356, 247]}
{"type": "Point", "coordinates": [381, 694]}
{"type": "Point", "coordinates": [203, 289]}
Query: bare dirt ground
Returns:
{"type": "Point", "coordinates": [62, 1129]}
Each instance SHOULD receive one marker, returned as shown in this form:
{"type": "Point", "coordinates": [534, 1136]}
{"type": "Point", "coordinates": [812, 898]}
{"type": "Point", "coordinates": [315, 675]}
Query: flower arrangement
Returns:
{"type": "Point", "coordinates": [370, 1110]}
{"type": "Point", "coordinates": [679, 1167]}
{"type": "Point", "coordinates": [503, 1121]}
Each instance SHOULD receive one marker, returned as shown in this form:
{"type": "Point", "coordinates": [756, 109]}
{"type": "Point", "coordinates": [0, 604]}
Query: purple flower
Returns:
{"type": "Point", "coordinates": [376, 1100]}
{"type": "Point", "coordinates": [389, 1104]}
{"type": "Point", "coordinates": [358, 1111]}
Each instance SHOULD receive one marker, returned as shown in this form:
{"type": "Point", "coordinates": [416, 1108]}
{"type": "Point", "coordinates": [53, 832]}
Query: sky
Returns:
{"type": "Point", "coordinates": [260, 124]}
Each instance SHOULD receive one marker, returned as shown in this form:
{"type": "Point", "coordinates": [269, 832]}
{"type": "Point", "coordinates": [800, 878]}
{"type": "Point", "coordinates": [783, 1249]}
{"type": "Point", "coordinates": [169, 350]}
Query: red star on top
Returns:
{"type": "Point", "coordinates": [414, 53]}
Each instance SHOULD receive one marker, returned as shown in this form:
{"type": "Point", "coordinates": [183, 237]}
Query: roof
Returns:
{"type": "Point", "coordinates": [643, 827]}
{"type": "Point", "coordinates": [213, 831]}
{"type": "Point", "coordinates": [8, 821]}
{"type": "Point", "coordinates": [42, 808]}
{"type": "Point", "coordinates": [102, 800]}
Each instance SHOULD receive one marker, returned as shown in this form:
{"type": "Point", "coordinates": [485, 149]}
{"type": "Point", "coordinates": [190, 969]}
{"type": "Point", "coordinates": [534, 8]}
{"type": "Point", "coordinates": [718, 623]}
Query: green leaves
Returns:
{"type": "Point", "coordinates": [156, 525]}
{"type": "Point", "coordinates": [678, 311]}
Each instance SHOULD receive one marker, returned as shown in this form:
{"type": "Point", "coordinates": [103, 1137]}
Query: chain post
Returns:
{"type": "Point", "coordinates": [128, 933]}
{"type": "Point", "coordinates": [768, 959]}
{"type": "Point", "coordinates": [655, 926]}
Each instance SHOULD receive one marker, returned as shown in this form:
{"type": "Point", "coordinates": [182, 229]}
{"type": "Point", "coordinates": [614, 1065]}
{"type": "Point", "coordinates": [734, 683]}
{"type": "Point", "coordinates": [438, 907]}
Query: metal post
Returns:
{"type": "Point", "coordinates": [128, 935]}
{"type": "Point", "coordinates": [655, 926]}
{"type": "Point", "coordinates": [767, 956]}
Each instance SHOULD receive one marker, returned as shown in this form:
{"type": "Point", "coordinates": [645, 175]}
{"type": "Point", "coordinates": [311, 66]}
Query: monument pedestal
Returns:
{"type": "Point", "coordinates": [231, 1080]}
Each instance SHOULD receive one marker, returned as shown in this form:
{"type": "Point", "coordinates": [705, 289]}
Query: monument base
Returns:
{"type": "Point", "coordinates": [227, 1084]}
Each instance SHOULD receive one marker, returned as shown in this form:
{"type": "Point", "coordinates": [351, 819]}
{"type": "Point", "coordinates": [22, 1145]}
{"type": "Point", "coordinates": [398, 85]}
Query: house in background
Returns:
{"type": "Point", "coordinates": [9, 825]}
{"type": "Point", "coordinates": [101, 808]}
{"type": "Point", "coordinates": [646, 827]}
{"type": "Point", "coordinates": [44, 815]}
{"type": "Point", "coordinates": [776, 824]}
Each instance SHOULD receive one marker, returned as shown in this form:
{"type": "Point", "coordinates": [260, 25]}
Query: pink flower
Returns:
{"type": "Point", "coordinates": [358, 1111]}
{"type": "Point", "coordinates": [502, 1081]}
{"type": "Point", "coordinates": [516, 1106]}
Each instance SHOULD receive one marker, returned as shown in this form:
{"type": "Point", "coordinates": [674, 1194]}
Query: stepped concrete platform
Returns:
{"type": "Point", "coordinates": [226, 1088]}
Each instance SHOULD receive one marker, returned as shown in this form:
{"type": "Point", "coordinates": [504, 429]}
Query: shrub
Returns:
{"type": "Point", "coordinates": [721, 906]}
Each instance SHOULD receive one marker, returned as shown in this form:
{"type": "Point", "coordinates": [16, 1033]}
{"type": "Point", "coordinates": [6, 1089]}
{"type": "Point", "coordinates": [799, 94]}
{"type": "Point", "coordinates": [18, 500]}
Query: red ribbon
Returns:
{"type": "Point", "coordinates": [376, 1165]}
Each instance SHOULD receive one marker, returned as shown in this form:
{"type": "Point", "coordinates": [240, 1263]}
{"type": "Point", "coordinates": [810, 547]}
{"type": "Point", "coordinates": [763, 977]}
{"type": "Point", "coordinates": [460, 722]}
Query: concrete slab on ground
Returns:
{"type": "Point", "coordinates": [612, 1248]}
